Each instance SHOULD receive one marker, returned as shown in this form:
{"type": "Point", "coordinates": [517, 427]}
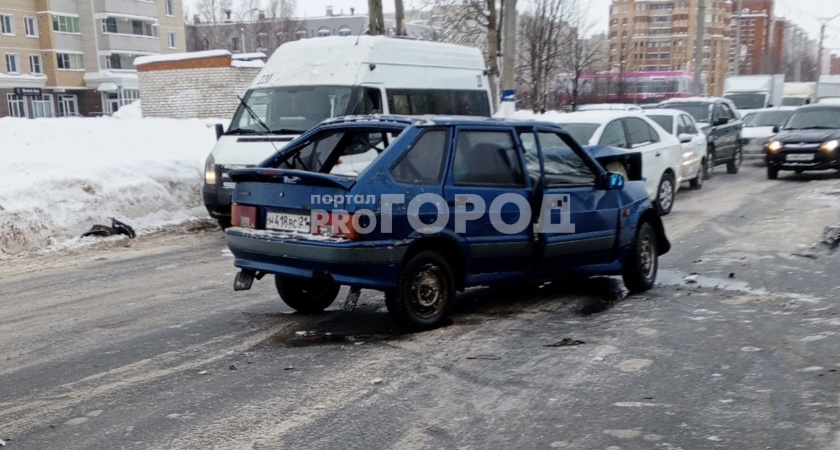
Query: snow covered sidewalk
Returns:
{"type": "Point", "coordinates": [60, 176]}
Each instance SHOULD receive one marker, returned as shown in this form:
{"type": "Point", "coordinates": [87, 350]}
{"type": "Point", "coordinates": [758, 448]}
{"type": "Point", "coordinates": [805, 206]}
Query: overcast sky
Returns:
{"type": "Point", "coordinates": [806, 14]}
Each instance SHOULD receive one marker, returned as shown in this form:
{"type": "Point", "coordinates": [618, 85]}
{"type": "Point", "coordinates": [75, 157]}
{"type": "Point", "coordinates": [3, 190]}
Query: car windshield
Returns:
{"type": "Point", "coordinates": [295, 109]}
{"type": "Point", "coordinates": [666, 122]}
{"type": "Point", "coordinates": [700, 111]}
{"type": "Point", "coordinates": [814, 119]}
{"type": "Point", "coordinates": [766, 118]}
{"type": "Point", "coordinates": [582, 132]}
{"type": "Point", "coordinates": [747, 101]}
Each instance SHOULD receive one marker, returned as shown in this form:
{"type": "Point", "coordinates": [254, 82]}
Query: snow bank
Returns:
{"type": "Point", "coordinates": [63, 175]}
{"type": "Point", "coordinates": [132, 111]}
{"type": "Point", "coordinates": [140, 60]}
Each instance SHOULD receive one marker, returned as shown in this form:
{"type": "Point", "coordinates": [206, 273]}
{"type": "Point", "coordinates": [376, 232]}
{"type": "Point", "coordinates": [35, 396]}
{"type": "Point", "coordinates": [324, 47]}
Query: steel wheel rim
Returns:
{"type": "Point", "coordinates": [428, 291]}
{"type": "Point", "coordinates": [666, 194]}
{"type": "Point", "coordinates": [647, 257]}
{"type": "Point", "coordinates": [739, 157]}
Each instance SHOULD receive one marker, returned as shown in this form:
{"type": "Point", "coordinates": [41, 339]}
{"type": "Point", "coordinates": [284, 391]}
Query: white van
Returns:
{"type": "Point", "coordinates": [307, 81]}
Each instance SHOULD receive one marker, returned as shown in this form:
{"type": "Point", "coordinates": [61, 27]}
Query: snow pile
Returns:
{"type": "Point", "coordinates": [131, 111]}
{"type": "Point", "coordinates": [170, 57]}
{"type": "Point", "coordinates": [63, 175]}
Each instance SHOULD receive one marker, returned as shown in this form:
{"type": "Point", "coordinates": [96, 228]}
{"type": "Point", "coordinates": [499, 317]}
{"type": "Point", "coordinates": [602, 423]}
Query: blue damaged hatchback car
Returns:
{"type": "Point", "coordinates": [423, 207]}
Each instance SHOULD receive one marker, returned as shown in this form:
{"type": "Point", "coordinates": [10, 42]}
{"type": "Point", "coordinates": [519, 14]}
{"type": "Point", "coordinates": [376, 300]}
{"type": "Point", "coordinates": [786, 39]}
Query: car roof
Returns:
{"type": "Point", "coordinates": [831, 106]}
{"type": "Point", "coordinates": [608, 106]}
{"type": "Point", "coordinates": [775, 108]}
{"type": "Point", "coordinates": [695, 100]}
{"type": "Point", "coordinates": [597, 116]}
{"type": "Point", "coordinates": [664, 112]}
{"type": "Point", "coordinates": [427, 120]}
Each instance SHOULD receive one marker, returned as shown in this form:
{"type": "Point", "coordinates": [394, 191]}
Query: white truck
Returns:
{"type": "Point", "coordinates": [750, 92]}
{"type": "Point", "coordinates": [310, 80]}
{"type": "Point", "coordinates": [799, 93]}
{"type": "Point", "coordinates": [828, 88]}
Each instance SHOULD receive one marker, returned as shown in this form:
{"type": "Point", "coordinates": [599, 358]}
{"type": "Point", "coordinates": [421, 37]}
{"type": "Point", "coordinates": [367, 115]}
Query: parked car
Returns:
{"type": "Point", "coordinates": [809, 140]}
{"type": "Point", "coordinates": [412, 229]}
{"type": "Point", "coordinates": [661, 152]}
{"type": "Point", "coordinates": [719, 121]}
{"type": "Point", "coordinates": [694, 144]}
{"type": "Point", "coordinates": [758, 128]}
{"type": "Point", "coordinates": [609, 107]}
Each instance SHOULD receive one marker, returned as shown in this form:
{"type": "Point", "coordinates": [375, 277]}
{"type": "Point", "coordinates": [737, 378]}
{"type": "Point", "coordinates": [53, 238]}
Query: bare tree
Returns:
{"type": "Point", "coordinates": [212, 11]}
{"type": "Point", "coordinates": [377, 21]}
{"type": "Point", "coordinates": [581, 56]}
{"type": "Point", "coordinates": [475, 23]}
{"type": "Point", "coordinates": [543, 40]}
{"type": "Point", "coordinates": [399, 16]}
{"type": "Point", "coordinates": [282, 9]}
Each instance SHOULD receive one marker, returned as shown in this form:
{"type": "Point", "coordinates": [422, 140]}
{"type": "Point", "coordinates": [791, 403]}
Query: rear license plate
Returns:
{"type": "Point", "coordinates": [800, 157]}
{"type": "Point", "coordinates": [229, 184]}
{"type": "Point", "coordinates": [287, 222]}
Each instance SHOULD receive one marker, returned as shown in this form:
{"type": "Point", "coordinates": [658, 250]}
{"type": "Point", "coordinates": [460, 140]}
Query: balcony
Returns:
{"type": "Point", "coordinates": [129, 43]}
{"type": "Point", "coordinates": [126, 7]}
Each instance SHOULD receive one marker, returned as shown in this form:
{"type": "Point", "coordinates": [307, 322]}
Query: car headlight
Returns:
{"type": "Point", "coordinates": [774, 146]}
{"type": "Point", "coordinates": [210, 170]}
{"type": "Point", "coordinates": [830, 146]}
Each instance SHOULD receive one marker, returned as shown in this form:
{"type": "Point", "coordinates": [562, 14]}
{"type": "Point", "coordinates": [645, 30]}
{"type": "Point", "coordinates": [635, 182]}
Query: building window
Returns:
{"type": "Point", "coordinates": [301, 34]}
{"type": "Point", "coordinates": [31, 25]}
{"type": "Point", "coordinates": [109, 25]}
{"type": "Point", "coordinates": [8, 24]}
{"type": "Point", "coordinates": [35, 65]}
{"type": "Point", "coordinates": [70, 61]}
{"type": "Point", "coordinates": [66, 24]}
{"type": "Point", "coordinates": [17, 105]}
{"type": "Point", "coordinates": [234, 43]}
{"type": "Point", "coordinates": [262, 40]}
{"type": "Point", "coordinates": [113, 61]}
{"type": "Point", "coordinates": [170, 8]}
{"type": "Point", "coordinates": [324, 32]}
{"type": "Point", "coordinates": [12, 63]}
{"type": "Point", "coordinates": [42, 106]}
{"type": "Point", "coordinates": [173, 39]}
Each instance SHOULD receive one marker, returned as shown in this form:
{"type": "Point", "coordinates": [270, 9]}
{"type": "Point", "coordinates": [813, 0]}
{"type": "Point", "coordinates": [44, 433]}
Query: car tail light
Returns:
{"type": "Point", "coordinates": [339, 225]}
{"type": "Point", "coordinates": [243, 216]}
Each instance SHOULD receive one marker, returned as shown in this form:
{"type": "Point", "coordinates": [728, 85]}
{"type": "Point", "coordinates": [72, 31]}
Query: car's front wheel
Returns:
{"type": "Point", "coordinates": [772, 173]}
{"type": "Point", "coordinates": [640, 269]}
{"type": "Point", "coordinates": [425, 292]}
{"type": "Point", "coordinates": [665, 194]}
{"type": "Point", "coordinates": [734, 165]}
{"type": "Point", "coordinates": [306, 296]}
{"type": "Point", "coordinates": [697, 182]}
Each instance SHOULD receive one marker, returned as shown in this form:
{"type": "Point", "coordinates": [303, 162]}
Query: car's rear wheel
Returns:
{"type": "Point", "coordinates": [697, 182]}
{"type": "Point", "coordinates": [772, 173]}
{"type": "Point", "coordinates": [304, 295]}
{"type": "Point", "coordinates": [639, 272]}
{"type": "Point", "coordinates": [425, 292]}
{"type": "Point", "coordinates": [734, 165]}
{"type": "Point", "coordinates": [710, 163]}
{"type": "Point", "coordinates": [665, 194]}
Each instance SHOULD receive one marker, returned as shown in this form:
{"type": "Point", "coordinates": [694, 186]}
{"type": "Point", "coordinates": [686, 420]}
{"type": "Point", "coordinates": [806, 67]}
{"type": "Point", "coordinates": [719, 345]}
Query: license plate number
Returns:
{"type": "Point", "coordinates": [800, 157]}
{"type": "Point", "coordinates": [287, 222]}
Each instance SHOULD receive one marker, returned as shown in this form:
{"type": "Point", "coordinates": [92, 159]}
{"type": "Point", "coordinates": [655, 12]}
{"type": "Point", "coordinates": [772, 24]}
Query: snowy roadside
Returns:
{"type": "Point", "coordinates": [63, 175]}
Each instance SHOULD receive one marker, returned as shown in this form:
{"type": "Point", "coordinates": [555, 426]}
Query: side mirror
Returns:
{"type": "Point", "coordinates": [220, 130]}
{"type": "Point", "coordinates": [613, 181]}
{"type": "Point", "coordinates": [776, 128]}
{"type": "Point", "coordinates": [685, 138]}
{"type": "Point", "coordinates": [721, 121]}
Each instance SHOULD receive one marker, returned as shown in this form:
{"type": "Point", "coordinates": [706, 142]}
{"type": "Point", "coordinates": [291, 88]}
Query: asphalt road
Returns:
{"type": "Point", "coordinates": [147, 346]}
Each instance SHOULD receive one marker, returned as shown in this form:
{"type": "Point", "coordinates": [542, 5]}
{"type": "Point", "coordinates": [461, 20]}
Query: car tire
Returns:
{"type": "Point", "coordinates": [425, 293]}
{"type": "Point", "coordinates": [665, 194]}
{"type": "Point", "coordinates": [734, 165]}
{"type": "Point", "coordinates": [639, 272]}
{"type": "Point", "coordinates": [772, 173]}
{"type": "Point", "coordinates": [697, 182]}
{"type": "Point", "coordinates": [306, 296]}
{"type": "Point", "coordinates": [710, 163]}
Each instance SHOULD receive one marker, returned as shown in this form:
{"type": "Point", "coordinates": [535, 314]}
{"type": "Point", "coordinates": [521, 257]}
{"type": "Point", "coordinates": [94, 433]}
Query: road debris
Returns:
{"type": "Point", "coordinates": [116, 228]}
{"type": "Point", "coordinates": [691, 279]}
{"type": "Point", "coordinates": [376, 381]}
{"type": "Point", "coordinates": [289, 368]}
{"type": "Point", "coordinates": [831, 236]}
{"type": "Point", "coordinates": [232, 367]}
{"type": "Point", "coordinates": [565, 342]}
{"type": "Point", "coordinates": [207, 372]}
{"type": "Point", "coordinates": [487, 357]}
{"type": "Point", "coordinates": [2, 443]}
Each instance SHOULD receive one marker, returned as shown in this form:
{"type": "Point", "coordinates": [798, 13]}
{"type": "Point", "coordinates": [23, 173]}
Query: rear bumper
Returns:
{"type": "Point", "coordinates": [371, 265]}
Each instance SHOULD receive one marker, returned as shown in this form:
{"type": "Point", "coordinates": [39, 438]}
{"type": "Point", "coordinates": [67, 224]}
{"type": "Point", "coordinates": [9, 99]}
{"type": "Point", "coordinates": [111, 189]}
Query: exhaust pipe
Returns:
{"type": "Point", "coordinates": [245, 278]}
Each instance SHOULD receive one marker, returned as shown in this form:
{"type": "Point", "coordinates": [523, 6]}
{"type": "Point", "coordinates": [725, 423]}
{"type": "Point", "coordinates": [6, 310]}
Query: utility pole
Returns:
{"type": "Point", "coordinates": [377, 21]}
{"type": "Point", "coordinates": [822, 38]}
{"type": "Point", "coordinates": [508, 105]}
{"type": "Point", "coordinates": [738, 42]}
{"type": "Point", "coordinates": [399, 13]}
{"type": "Point", "coordinates": [698, 46]}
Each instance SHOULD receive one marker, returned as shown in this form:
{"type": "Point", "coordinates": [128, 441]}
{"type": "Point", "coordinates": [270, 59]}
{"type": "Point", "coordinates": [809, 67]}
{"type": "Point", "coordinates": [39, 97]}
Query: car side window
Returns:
{"type": "Point", "coordinates": [638, 132]}
{"type": "Point", "coordinates": [689, 125]}
{"type": "Point", "coordinates": [727, 111]}
{"type": "Point", "coordinates": [681, 128]}
{"type": "Point", "coordinates": [654, 136]}
{"type": "Point", "coordinates": [423, 161]}
{"type": "Point", "coordinates": [614, 135]}
{"type": "Point", "coordinates": [562, 165]}
{"type": "Point", "coordinates": [487, 158]}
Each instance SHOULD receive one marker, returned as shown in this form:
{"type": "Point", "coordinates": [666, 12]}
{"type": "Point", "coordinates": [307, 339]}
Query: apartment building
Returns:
{"type": "Point", "coordinates": [659, 36]}
{"type": "Point", "coordinates": [756, 52]}
{"type": "Point", "coordinates": [75, 57]}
